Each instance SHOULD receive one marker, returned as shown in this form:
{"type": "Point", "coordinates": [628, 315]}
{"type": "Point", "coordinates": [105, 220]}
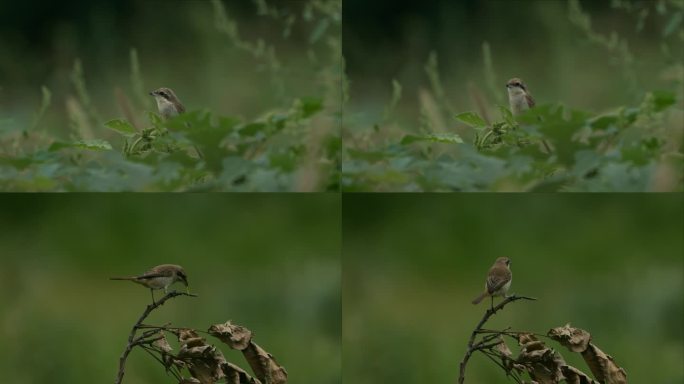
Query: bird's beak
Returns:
{"type": "Point", "coordinates": [152, 93]}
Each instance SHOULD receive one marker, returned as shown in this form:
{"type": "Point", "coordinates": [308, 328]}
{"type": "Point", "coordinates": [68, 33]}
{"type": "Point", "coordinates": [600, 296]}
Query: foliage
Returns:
{"type": "Point", "coordinates": [632, 147]}
{"type": "Point", "coordinates": [290, 146]}
{"type": "Point", "coordinates": [623, 150]}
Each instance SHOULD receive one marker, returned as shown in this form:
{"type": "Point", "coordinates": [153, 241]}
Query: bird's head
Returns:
{"type": "Point", "coordinates": [504, 261]}
{"type": "Point", "coordinates": [167, 102]}
{"type": "Point", "coordinates": [180, 275]}
{"type": "Point", "coordinates": [516, 86]}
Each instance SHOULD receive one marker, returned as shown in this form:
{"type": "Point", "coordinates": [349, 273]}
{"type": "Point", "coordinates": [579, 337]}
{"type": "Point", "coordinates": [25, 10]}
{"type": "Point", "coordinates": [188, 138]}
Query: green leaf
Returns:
{"type": "Point", "coordinates": [93, 145]}
{"type": "Point", "coordinates": [310, 106]}
{"type": "Point", "coordinates": [507, 115]}
{"type": "Point", "coordinates": [154, 118]}
{"type": "Point", "coordinates": [471, 119]}
{"type": "Point", "coordinates": [121, 126]}
{"type": "Point", "coordinates": [603, 122]}
{"type": "Point", "coordinates": [433, 137]}
{"type": "Point", "coordinates": [252, 129]}
{"type": "Point", "coordinates": [663, 99]}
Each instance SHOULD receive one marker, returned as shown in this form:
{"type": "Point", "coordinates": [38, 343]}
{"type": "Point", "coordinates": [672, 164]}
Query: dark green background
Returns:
{"type": "Point", "coordinates": [610, 264]}
{"type": "Point", "coordinates": [179, 46]}
{"type": "Point", "coordinates": [268, 262]}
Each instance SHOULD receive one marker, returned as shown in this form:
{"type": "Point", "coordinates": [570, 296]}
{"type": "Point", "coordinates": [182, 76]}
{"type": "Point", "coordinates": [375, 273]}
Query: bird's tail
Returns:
{"type": "Point", "coordinates": [132, 278]}
{"type": "Point", "coordinates": [479, 298]}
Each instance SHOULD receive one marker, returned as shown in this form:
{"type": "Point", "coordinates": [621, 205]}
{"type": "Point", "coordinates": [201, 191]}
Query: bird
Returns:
{"type": "Point", "coordinates": [159, 277]}
{"type": "Point", "coordinates": [498, 280]}
{"type": "Point", "coordinates": [519, 97]}
{"type": "Point", "coordinates": [520, 100]}
{"type": "Point", "coordinates": [168, 104]}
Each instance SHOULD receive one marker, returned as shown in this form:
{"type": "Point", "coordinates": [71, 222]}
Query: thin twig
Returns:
{"type": "Point", "coordinates": [478, 327]}
{"type": "Point", "coordinates": [492, 356]}
{"type": "Point", "coordinates": [131, 338]}
{"type": "Point", "coordinates": [168, 328]}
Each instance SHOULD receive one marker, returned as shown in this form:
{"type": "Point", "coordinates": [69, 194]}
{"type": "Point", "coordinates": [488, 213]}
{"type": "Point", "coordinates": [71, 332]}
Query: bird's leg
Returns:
{"type": "Point", "coordinates": [152, 292]}
{"type": "Point", "coordinates": [492, 306]}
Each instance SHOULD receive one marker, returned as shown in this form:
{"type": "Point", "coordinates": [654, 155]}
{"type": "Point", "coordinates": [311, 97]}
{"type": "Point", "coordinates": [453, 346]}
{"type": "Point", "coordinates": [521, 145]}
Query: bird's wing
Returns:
{"type": "Point", "coordinates": [497, 279]}
{"type": "Point", "coordinates": [151, 276]}
{"type": "Point", "coordinates": [530, 100]}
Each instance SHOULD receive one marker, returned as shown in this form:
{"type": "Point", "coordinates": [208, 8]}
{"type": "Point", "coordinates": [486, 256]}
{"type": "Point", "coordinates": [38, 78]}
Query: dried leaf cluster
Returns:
{"type": "Point", "coordinates": [542, 364]}
{"type": "Point", "coordinates": [204, 362]}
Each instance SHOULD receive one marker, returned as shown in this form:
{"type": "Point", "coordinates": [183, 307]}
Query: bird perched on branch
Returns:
{"type": "Point", "coordinates": [498, 280]}
{"type": "Point", "coordinates": [159, 277]}
{"type": "Point", "coordinates": [519, 97]}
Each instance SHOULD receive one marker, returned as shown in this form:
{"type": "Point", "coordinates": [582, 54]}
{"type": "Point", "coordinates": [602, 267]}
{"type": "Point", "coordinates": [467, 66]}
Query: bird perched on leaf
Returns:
{"type": "Point", "coordinates": [520, 100]}
{"type": "Point", "coordinates": [159, 277]}
{"type": "Point", "coordinates": [169, 105]}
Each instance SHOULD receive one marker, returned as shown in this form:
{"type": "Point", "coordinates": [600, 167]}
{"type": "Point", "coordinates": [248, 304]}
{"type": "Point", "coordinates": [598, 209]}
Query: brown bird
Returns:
{"type": "Point", "coordinates": [168, 103]}
{"type": "Point", "coordinates": [498, 280]}
{"type": "Point", "coordinates": [159, 277]}
{"type": "Point", "coordinates": [519, 96]}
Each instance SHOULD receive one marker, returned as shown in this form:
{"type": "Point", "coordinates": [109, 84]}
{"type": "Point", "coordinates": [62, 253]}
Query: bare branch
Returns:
{"type": "Point", "coordinates": [472, 347]}
{"type": "Point", "coordinates": [132, 340]}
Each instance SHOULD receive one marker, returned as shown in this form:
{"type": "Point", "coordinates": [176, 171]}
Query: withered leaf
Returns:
{"type": "Point", "coordinates": [203, 361]}
{"type": "Point", "coordinates": [236, 336]}
{"type": "Point", "coordinates": [264, 365]}
{"type": "Point", "coordinates": [236, 375]}
{"type": "Point", "coordinates": [541, 362]}
{"type": "Point", "coordinates": [575, 376]}
{"type": "Point", "coordinates": [603, 367]}
{"type": "Point", "coordinates": [574, 339]}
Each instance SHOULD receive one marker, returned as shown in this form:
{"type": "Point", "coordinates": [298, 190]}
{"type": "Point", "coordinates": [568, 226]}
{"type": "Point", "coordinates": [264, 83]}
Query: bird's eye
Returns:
{"type": "Point", "coordinates": [162, 93]}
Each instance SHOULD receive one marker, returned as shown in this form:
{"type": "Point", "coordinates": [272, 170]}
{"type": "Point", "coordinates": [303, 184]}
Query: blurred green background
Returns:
{"type": "Point", "coordinates": [610, 264]}
{"type": "Point", "coordinates": [179, 45]}
{"type": "Point", "coordinates": [268, 262]}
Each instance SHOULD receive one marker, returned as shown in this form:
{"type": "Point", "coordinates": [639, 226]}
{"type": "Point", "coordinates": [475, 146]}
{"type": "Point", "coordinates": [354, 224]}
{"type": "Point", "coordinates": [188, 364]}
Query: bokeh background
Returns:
{"type": "Point", "coordinates": [539, 41]}
{"type": "Point", "coordinates": [179, 45]}
{"type": "Point", "coordinates": [268, 262]}
{"type": "Point", "coordinates": [610, 264]}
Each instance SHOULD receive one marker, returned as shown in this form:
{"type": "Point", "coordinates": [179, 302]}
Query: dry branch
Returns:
{"type": "Point", "coordinates": [133, 341]}
{"type": "Point", "coordinates": [472, 345]}
{"type": "Point", "coordinates": [541, 363]}
{"type": "Point", "coordinates": [205, 362]}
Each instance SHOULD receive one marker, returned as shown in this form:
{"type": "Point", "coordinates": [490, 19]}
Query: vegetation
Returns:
{"type": "Point", "coordinates": [636, 146]}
